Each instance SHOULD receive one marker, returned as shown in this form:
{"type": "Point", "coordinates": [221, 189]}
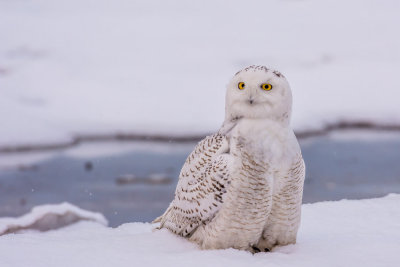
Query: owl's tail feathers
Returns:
{"type": "Point", "coordinates": [161, 219]}
{"type": "Point", "coordinates": [157, 220]}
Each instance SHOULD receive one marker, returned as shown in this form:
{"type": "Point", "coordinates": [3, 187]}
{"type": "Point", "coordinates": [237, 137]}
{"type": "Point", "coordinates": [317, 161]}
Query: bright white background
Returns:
{"type": "Point", "coordinates": [80, 66]}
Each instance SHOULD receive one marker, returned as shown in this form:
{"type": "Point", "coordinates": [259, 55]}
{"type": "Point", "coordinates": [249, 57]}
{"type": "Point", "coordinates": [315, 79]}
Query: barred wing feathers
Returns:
{"type": "Point", "coordinates": [201, 186]}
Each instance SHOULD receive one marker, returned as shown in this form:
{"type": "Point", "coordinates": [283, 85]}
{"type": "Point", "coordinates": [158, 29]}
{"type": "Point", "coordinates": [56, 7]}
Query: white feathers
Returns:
{"type": "Point", "coordinates": [274, 105]}
{"type": "Point", "coordinates": [242, 187]}
{"type": "Point", "coordinates": [201, 185]}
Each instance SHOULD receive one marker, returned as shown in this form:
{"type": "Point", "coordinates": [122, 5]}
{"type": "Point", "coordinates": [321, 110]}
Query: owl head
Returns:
{"type": "Point", "coordinates": [257, 92]}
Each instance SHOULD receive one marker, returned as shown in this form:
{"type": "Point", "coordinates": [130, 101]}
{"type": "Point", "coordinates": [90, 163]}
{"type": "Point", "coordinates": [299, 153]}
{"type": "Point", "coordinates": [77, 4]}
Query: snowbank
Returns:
{"type": "Point", "coordinates": [343, 233]}
{"type": "Point", "coordinates": [49, 217]}
{"type": "Point", "coordinates": [75, 66]}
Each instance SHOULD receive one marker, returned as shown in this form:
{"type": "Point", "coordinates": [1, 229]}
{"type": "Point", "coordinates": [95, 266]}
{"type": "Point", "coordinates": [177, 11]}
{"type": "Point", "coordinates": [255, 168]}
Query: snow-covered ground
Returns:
{"type": "Point", "coordinates": [344, 233]}
{"type": "Point", "coordinates": [80, 66]}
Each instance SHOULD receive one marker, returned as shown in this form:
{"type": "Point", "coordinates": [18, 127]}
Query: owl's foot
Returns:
{"type": "Point", "coordinates": [255, 249]}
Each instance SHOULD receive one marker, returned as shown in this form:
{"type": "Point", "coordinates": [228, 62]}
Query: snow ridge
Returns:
{"type": "Point", "coordinates": [49, 217]}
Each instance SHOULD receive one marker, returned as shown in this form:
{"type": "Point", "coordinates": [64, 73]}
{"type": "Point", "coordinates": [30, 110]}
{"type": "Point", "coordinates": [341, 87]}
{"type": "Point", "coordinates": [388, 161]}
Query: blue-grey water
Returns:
{"type": "Point", "coordinates": [337, 168]}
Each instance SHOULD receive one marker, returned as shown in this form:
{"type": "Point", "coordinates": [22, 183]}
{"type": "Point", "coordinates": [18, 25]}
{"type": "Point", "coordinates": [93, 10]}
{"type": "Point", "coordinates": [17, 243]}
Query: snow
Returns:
{"type": "Point", "coordinates": [341, 233]}
{"type": "Point", "coordinates": [46, 217]}
{"type": "Point", "coordinates": [79, 66]}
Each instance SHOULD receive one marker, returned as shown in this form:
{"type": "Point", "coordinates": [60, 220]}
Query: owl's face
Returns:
{"type": "Point", "coordinates": [257, 92]}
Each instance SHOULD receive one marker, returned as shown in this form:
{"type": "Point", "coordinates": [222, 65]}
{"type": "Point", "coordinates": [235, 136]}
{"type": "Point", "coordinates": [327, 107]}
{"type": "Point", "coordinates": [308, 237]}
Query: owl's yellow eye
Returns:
{"type": "Point", "coordinates": [266, 86]}
{"type": "Point", "coordinates": [241, 85]}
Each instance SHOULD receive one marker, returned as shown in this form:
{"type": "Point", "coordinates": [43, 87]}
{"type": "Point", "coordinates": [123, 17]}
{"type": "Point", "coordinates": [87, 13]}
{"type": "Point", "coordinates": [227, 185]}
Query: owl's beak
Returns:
{"type": "Point", "coordinates": [250, 98]}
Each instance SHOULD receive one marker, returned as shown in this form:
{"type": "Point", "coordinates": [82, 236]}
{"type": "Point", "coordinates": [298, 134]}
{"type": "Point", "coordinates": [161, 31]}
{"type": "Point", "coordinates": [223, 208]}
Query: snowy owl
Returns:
{"type": "Point", "coordinates": [242, 187]}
